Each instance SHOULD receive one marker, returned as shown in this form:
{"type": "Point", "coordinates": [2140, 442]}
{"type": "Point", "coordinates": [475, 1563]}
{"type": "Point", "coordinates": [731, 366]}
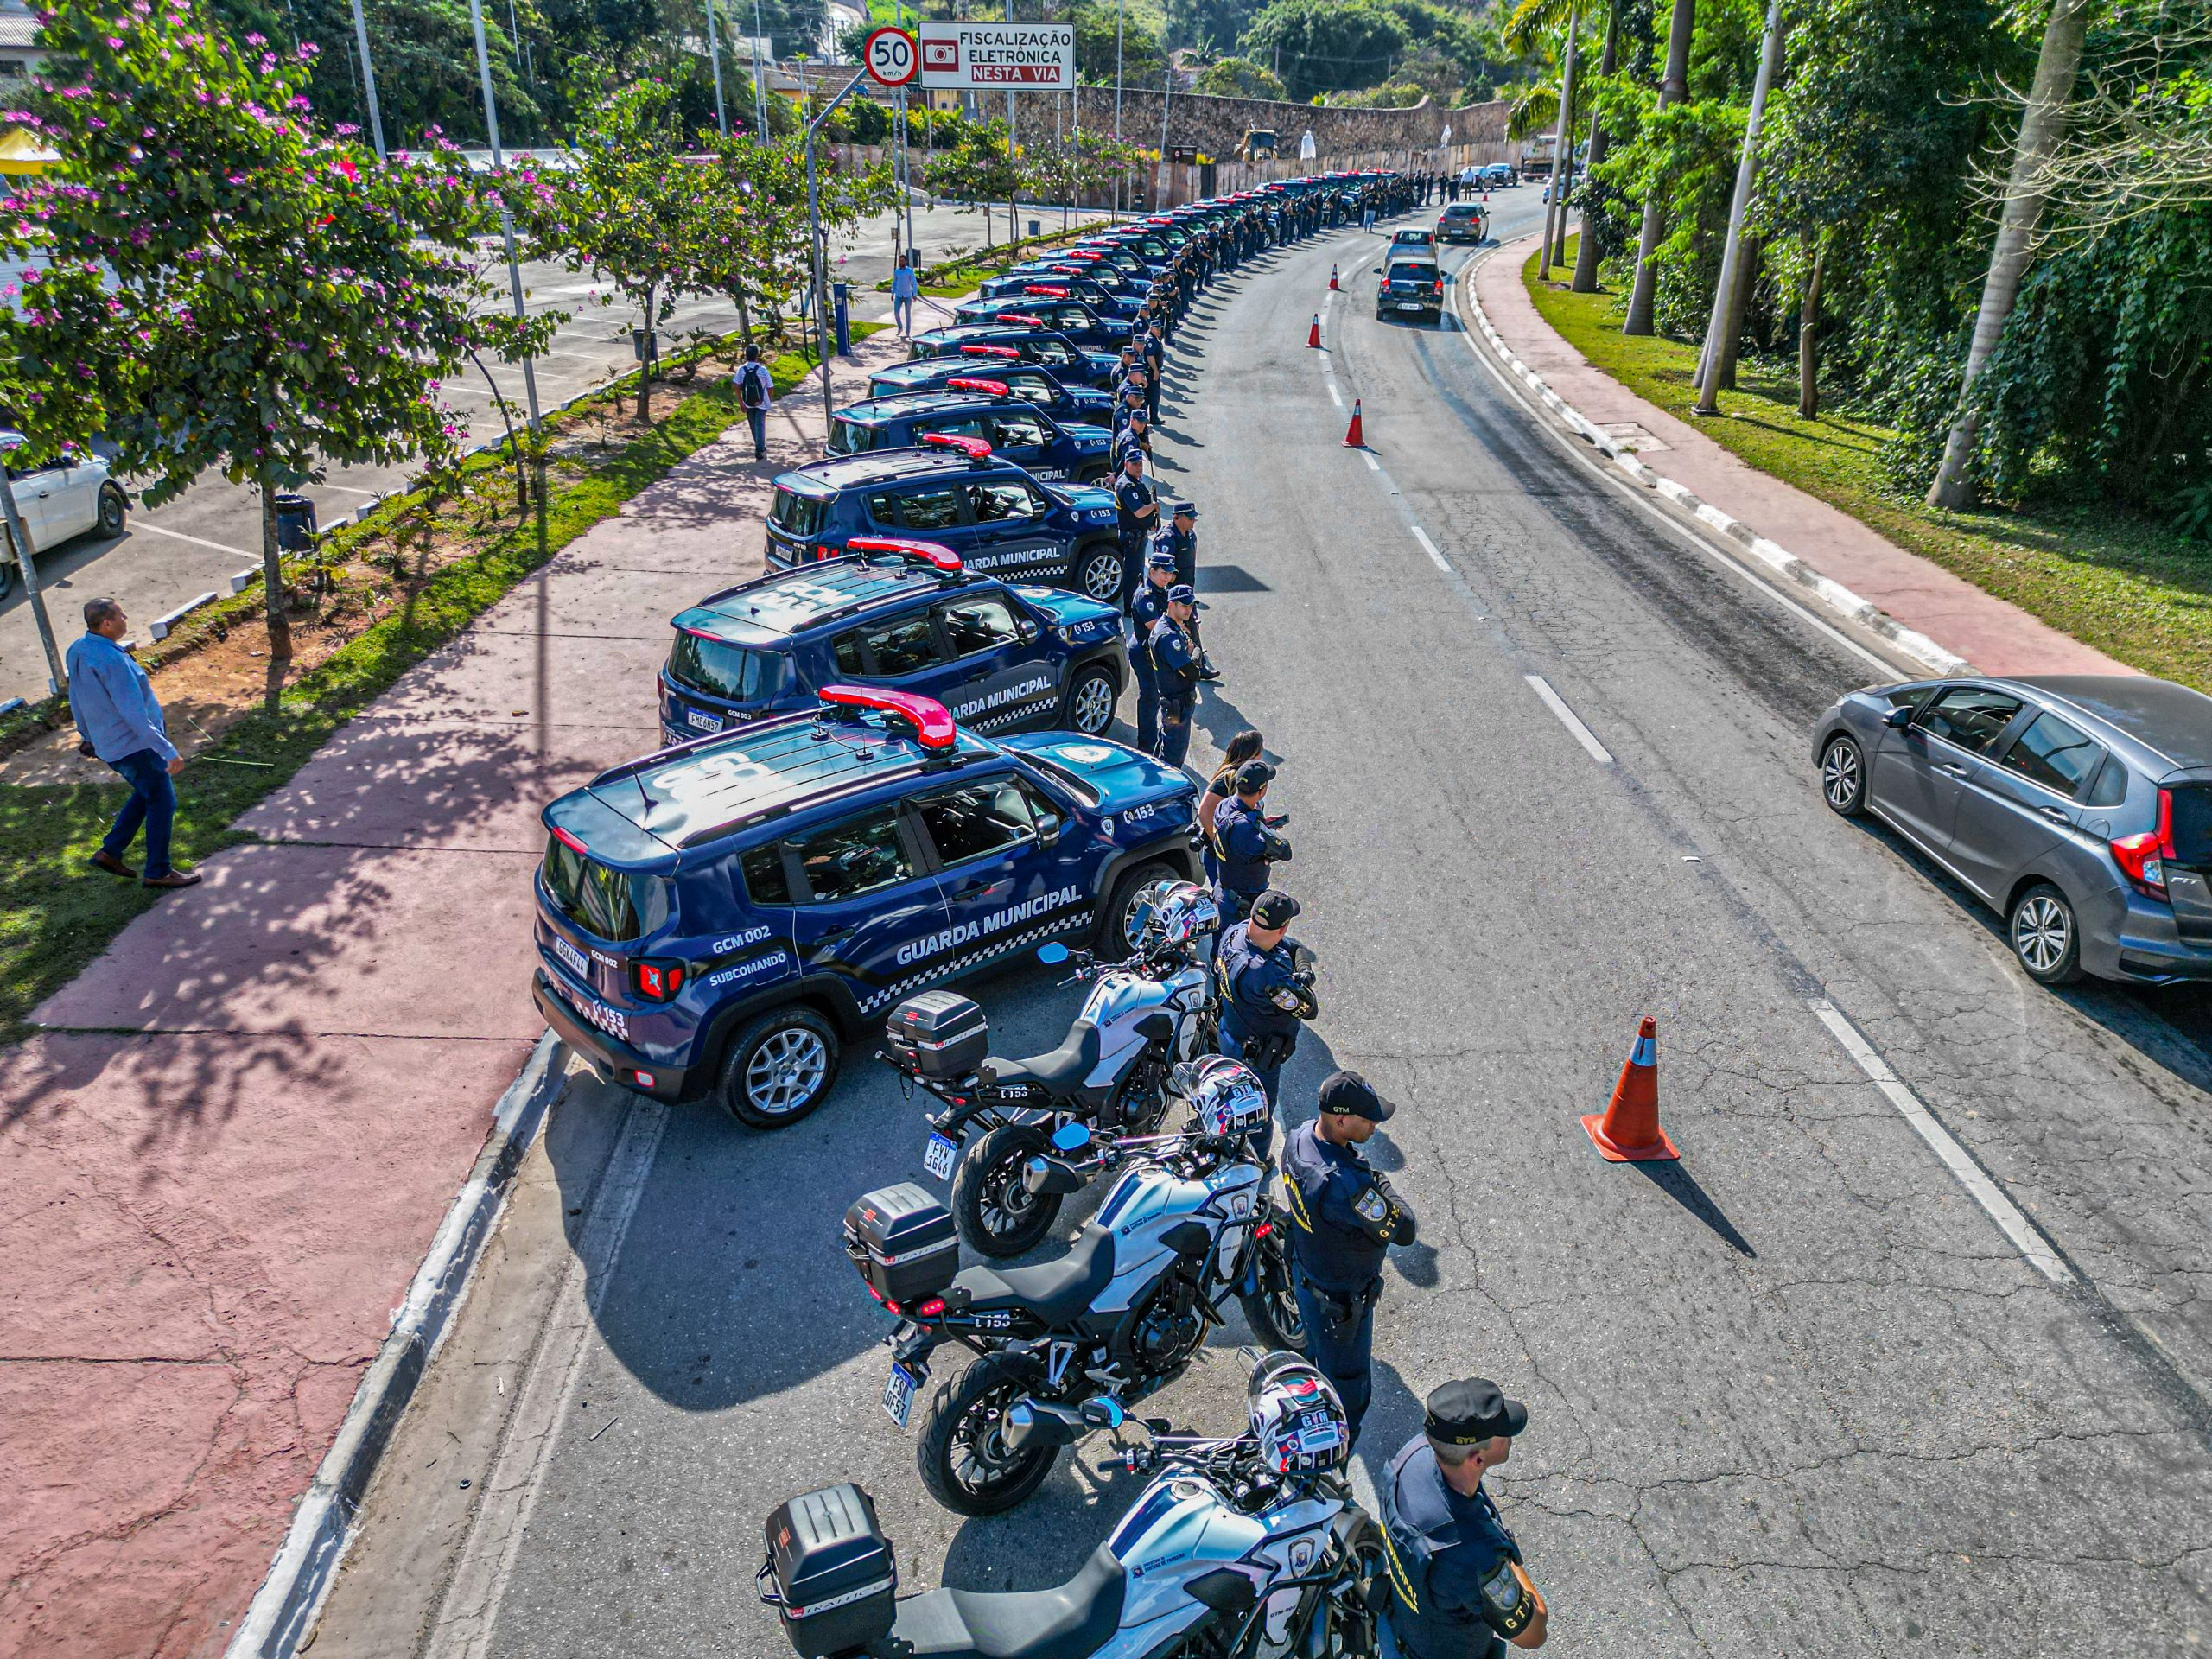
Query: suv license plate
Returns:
{"type": "Point", "coordinates": [574, 957]}
{"type": "Point", "coordinates": [899, 1393]}
{"type": "Point", "coordinates": [938, 1156]}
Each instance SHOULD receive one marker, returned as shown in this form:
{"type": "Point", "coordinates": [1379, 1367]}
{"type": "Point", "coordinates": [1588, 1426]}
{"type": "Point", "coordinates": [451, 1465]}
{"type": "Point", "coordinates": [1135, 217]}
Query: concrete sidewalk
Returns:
{"type": "Point", "coordinates": [1992, 635]}
{"type": "Point", "coordinates": [222, 1162]}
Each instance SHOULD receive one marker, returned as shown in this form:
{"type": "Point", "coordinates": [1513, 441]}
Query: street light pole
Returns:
{"type": "Point", "coordinates": [56, 677]}
{"type": "Point", "coordinates": [816, 253]}
{"type": "Point", "coordinates": [368, 79]}
{"type": "Point", "coordinates": [714, 57]}
{"type": "Point", "coordinates": [759, 86]}
{"type": "Point", "coordinates": [1117, 100]}
{"type": "Point", "coordinates": [507, 219]}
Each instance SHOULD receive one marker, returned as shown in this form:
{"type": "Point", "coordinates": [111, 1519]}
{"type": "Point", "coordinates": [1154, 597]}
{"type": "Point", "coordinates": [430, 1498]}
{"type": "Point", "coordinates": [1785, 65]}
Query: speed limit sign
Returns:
{"type": "Point", "coordinates": [890, 57]}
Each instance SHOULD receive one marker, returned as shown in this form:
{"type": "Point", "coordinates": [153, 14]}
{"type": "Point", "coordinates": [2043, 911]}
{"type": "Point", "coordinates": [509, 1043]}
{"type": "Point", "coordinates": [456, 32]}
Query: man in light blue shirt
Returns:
{"type": "Point", "coordinates": [905, 288]}
{"type": "Point", "coordinates": [117, 719]}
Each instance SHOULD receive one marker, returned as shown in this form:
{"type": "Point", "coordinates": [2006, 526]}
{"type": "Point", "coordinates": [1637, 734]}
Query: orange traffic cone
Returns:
{"type": "Point", "coordinates": [1629, 1133]}
{"type": "Point", "coordinates": [1313, 335]}
{"type": "Point", "coordinates": [1354, 438]}
{"type": "Point", "coordinates": [1333, 287]}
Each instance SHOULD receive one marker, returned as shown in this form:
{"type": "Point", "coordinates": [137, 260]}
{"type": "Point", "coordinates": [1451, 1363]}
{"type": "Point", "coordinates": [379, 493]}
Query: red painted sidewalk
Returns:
{"type": "Point", "coordinates": [1996, 636]}
{"type": "Point", "coordinates": [223, 1161]}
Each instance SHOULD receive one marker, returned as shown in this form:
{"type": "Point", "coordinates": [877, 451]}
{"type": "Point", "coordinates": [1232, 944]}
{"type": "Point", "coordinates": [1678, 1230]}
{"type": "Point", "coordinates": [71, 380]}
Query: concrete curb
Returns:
{"type": "Point", "coordinates": [1775, 557]}
{"type": "Point", "coordinates": [284, 1608]}
{"type": "Point", "coordinates": [163, 625]}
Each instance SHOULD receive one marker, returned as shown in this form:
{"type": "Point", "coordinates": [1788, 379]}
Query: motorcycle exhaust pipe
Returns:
{"type": "Point", "coordinates": [1041, 1175]}
{"type": "Point", "coordinates": [1031, 1423]}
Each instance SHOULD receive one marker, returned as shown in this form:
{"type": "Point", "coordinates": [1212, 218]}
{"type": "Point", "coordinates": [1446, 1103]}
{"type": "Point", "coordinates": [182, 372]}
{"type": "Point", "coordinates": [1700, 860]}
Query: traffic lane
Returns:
{"type": "Point", "coordinates": [737, 1361]}
{"type": "Point", "coordinates": [2088, 1104]}
{"type": "Point", "coordinates": [1804, 1350]}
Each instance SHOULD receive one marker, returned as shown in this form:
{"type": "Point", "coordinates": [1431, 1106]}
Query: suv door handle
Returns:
{"type": "Point", "coordinates": [2055, 814]}
{"type": "Point", "coordinates": [1955, 770]}
{"type": "Point", "coordinates": [837, 932]}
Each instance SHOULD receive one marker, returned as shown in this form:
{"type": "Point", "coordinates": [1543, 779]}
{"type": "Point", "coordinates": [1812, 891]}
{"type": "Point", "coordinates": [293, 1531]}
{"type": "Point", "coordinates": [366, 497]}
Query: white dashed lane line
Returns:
{"type": "Point", "coordinates": [1372, 465]}
{"type": "Point", "coordinates": [1569, 719]}
{"type": "Point", "coordinates": [2002, 1210]}
{"type": "Point", "coordinates": [1429, 548]}
{"type": "Point", "coordinates": [1336, 397]}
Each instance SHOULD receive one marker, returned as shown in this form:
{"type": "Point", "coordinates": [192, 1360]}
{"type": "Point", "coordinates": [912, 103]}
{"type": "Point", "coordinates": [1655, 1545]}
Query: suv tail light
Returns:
{"type": "Point", "coordinates": [657, 980]}
{"type": "Point", "coordinates": [2142, 858]}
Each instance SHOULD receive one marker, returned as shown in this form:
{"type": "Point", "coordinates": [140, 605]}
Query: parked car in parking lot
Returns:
{"type": "Point", "coordinates": [60, 500]}
{"type": "Point", "coordinates": [2078, 806]}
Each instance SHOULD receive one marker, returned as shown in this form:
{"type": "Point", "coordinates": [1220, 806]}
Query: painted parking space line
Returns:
{"type": "Point", "coordinates": [1569, 719]}
{"type": "Point", "coordinates": [137, 525]}
{"type": "Point", "coordinates": [1429, 548]}
{"type": "Point", "coordinates": [2001, 1210]}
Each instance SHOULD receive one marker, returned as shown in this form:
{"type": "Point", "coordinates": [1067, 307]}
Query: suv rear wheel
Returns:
{"type": "Point", "coordinates": [1098, 572]}
{"type": "Point", "coordinates": [779, 1066]}
{"type": "Point", "coordinates": [1114, 938]}
{"type": "Point", "coordinates": [1090, 707]}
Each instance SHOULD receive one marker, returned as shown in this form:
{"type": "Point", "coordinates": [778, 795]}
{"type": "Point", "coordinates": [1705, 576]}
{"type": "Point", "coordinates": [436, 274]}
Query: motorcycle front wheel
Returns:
{"type": "Point", "coordinates": [963, 1455]}
{"type": "Point", "coordinates": [1272, 1309]}
{"type": "Point", "coordinates": [995, 1213]}
{"type": "Point", "coordinates": [1344, 1615]}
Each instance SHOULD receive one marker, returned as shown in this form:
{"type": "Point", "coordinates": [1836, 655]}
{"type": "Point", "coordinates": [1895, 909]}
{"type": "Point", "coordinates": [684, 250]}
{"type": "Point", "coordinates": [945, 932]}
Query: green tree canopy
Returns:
{"type": "Point", "coordinates": [1241, 77]}
{"type": "Point", "coordinates": [1317, 46]}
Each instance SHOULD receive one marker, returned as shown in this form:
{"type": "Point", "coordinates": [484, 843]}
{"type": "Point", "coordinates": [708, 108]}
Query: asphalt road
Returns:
{"type": "Point", "coordinates": [1799, 1394]}
{"type": "Point", "coordinates": [195, 544]}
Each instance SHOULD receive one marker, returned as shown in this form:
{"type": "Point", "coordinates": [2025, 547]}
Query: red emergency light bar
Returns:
{"type": "Point", "coordinates": [974, 449]}
{"type": "Point", "coordinates": [1049, 293]}
{"type": "Point", "coordinates": [990, 388]}
{"type": "Point", "coordinates": [931, 720]}
{"type": "Point", "coordinates": [933, 553]}
{"type": "Point", "coordinates": [990, 351]}
{"type": "Point", "coordinates": [1021, 317]}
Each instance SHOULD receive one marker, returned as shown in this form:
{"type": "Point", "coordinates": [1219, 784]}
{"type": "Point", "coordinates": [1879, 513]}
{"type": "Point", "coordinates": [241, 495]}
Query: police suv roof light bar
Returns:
{"type": "Point", "coordinates": [991, 388]}
{"type": "Point", "coordinates": [990, 351]}
{"type": "Point", "coordinates": [1021, 317]}
{"type": "Point", "coordinates": [935, 555]}
{"type": "Point", "coordinates": [930, 721]}
{"type": "Point", "coordinates": [1050, 293]}
{"type": "Point", "coordinates": [976, 449]}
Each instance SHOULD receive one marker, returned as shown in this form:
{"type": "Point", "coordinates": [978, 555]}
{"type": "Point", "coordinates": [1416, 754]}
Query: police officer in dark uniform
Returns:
{"type": "Point", "coordinates": [1264, 981]}
{"type": "Point", "coordinates": [1457, 1587]}
{"type": "Point", "coordinates": [1180, 666]}
{"type": "Point", "coordinates": [1153, 349]}
{"type": "Point", "coordinates": [1145, 608]}
{"type": "Point", "coordinates": [1342, 1217]}
{"type": "Point", "coordinates": [1136, 434]}
{"type": "Point", "coordinates": [1181, 538]}
{"type": "Point", "coordinates": [1248, 841]}
{"type": "Point", "coordinates": [1138, 506]}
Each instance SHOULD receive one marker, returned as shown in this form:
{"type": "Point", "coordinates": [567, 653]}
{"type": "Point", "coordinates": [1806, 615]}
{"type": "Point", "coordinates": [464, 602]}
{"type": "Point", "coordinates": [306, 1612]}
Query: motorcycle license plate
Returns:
{"type": "Point", "coordinates": [938, 1156]}
{"type": "Point", "coordinates": [899, 1393]}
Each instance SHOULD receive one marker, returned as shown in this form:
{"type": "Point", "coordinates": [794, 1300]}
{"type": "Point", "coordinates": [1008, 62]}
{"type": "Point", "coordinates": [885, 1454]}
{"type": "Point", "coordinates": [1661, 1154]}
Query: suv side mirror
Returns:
{"type": "Point", "coordinates": [1026, 631]}
{"type": "Point", "coordinates": [1899, 717]}
{"type": "Point", "coordinates": [1048, 830]}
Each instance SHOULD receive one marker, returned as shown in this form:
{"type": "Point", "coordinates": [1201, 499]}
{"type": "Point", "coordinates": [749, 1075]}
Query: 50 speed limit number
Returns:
{"type": "Point", "coordinates": [891, 57]}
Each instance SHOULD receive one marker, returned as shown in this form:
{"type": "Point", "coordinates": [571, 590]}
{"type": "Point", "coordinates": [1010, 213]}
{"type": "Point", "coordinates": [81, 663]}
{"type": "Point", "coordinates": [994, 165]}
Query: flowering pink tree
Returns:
{"type": "Point", "coordinates": [225, 287]}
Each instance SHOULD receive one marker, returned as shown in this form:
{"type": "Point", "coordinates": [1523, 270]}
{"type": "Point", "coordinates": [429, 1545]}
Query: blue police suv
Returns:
{"type": "Point", "coordinates": [971, 406]}
{"type": "Point", "coordinates": [720, 918]}
{"type": "Point", "coordinates": [1105, 292]}
{"type": "Point", "coordinates": [951, 491]}
{"type": "Point", "coordinates": [900, 613]}
{"type": "Point", "coordinates": [1064, 400]}
{"type": "Point", "coordinates": [1050, 307]}
{"type": "Point", "coordinates": [1030, 337]}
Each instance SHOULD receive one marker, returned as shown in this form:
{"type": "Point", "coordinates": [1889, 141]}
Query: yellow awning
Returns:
{"type": "Point", "coordinates": [21, 153]}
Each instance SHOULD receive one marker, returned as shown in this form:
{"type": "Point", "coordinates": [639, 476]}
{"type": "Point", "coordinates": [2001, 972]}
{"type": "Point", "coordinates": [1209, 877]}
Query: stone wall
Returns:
{"type": "Point", "coordinates": [1216, 127]}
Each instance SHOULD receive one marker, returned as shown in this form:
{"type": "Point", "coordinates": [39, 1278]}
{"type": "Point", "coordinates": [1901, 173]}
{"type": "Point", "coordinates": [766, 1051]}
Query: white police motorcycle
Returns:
{"type": "Point", "coordinates": [1107, 1080]}
{"type": "Point", "coordinates": [1068, 1346]}
{"type": "Point", "coordinates": [1248, 1547]}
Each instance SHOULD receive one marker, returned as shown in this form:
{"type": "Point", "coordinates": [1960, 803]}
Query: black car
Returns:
{"type": "Point", "coordinates": [1410, 286]}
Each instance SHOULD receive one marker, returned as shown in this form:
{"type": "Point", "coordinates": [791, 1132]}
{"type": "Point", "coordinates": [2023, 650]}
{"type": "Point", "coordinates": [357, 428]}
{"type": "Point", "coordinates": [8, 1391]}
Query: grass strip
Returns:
{"type": "Point", "coordinates": [56, 915]}
{"type": "Point", "coordinates": [2127, 585]}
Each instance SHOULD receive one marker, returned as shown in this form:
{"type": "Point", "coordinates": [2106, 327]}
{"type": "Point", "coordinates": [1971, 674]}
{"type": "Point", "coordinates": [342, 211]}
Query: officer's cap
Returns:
{"type": "Point", "coordinates": [1274, 908]}
{"type": "Point", "coordinates": [1182, 594]}
{"type": "Point", "coordinates": [1184, 510]}
{"type": "Point", "coordinates": [1349, 1094]}
{"type": "Point", "coordinates": [1254, 774]}
{"type": "Point", "coordinates": [1470, 1412]}
{"type": "Point", "coordinates": [1134, 454]}
{"type": "Point", "coordinates": [1140, 413]}
{"type": "Point", "coordinates": [1161, 558]}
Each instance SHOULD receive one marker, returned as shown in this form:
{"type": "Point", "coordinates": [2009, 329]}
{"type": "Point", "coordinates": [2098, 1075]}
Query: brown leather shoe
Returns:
{"type": "Point", "coordinates": [104, 860]}
{"type": "Point", "coordinates": [174, 879]}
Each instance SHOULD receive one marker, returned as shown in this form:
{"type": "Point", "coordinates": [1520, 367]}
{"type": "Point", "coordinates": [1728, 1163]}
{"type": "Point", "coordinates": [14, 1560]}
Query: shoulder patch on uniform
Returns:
{"type": "Point", "coordinates": [1371, 1204]}
{"type": "Point", "coordinates": [1502, 1589]}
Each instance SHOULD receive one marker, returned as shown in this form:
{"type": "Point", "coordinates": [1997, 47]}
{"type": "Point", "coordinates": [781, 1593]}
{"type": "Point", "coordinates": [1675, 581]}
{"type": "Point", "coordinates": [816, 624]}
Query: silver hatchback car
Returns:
{"type": "Point", "coordinates": [2080, 806]}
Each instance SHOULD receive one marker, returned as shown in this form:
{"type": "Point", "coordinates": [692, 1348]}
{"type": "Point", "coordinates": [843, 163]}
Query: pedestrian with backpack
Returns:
{"type": "Point", "coordinates": [753, 389]}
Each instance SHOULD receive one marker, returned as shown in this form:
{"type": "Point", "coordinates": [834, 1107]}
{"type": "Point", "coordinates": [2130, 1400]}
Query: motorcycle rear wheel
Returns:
{"type": "Point", "coordinates": [961, 1452]}
{"type": "Point", "coordinates": [995, 1213]}
{"type": "Point", "coordinates": [1272, 1309]}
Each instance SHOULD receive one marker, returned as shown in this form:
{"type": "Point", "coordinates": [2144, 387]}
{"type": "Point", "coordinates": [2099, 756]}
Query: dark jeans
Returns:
{"type": "Point", "coordinates": [152, 803]}
{"type": "Point", "coordinates": [1342, 1350]}
{"type": "Point", "coordinates": [758, 420]}
{"type": "Point", "coordinates": [1174, 732]}
{"type": "Point", "coordinates": [1148, 703]}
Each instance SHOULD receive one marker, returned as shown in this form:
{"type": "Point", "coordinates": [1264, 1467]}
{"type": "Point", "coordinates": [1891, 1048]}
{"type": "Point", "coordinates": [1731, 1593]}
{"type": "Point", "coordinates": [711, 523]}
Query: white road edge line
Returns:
{"type": "Point", "coordinates": [1336, 397]}
{"type": "Point", "coordinates": [2001, 1210]}
{"type": "Point", "coordinates": [1429, 548]}
{"type": "Point", "coordinates": [473, 1600]}
{"type": "Point", "coordinates": [1372, 465]}
{"type": "Point", "coordinates": [1568, 718]}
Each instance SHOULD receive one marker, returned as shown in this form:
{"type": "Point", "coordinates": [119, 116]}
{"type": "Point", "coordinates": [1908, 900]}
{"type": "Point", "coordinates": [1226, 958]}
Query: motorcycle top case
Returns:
{"type": "Point", "coordinates": [834, 1571]}
{"type": "Point", "coordinates": [903, 1241]}
{"type": "Point", "coordinates": [940, 1035]}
